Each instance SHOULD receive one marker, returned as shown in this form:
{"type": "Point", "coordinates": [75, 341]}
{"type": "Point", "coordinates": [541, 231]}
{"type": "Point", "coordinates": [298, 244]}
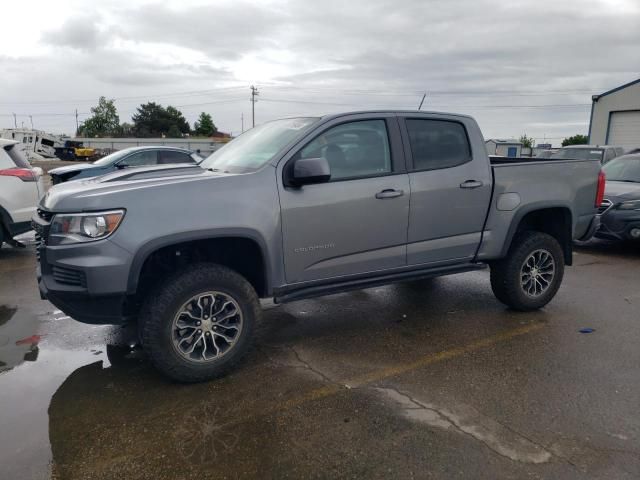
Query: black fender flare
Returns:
{"type": "Point", "coordinates": [143, 253]}
{"type": "Point", "coordinates": [567, 247]}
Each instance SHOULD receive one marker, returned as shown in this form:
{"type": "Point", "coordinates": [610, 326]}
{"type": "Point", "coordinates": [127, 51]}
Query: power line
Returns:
{"type": "Point", "coordinates": [556, 105]}
{"type": "Point", "coordinates": [137, 97]}
{"type": "Point", "coordinates": [404, 93]}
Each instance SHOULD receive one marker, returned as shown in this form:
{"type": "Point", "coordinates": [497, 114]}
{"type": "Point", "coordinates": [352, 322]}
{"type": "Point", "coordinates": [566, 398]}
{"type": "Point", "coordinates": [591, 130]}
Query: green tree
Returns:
{"type": "Point", "coordinates": [104, 122]}
{"type": "Point", "coordinates": [575, 140]}
{"type": "Point", "coordinates": [526, 141]}
{"type": "Point", "coordinates": [125, 130]}
{"type": "Point", "coordinates": [175, 117]}
{"type": "Point", "coordinates": [204, 125]}
{"type": "Point", "coordinates": [153, 120]}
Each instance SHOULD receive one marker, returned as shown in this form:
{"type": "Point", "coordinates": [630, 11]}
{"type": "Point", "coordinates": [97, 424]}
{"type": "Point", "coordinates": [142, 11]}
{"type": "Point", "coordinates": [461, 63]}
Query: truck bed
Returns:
{"type": "Point", "coordinates": [526, 184]}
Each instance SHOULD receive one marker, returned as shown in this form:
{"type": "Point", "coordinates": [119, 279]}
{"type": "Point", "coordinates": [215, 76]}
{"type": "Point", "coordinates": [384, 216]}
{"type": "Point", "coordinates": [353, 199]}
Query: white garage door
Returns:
{"type": "Point", "coordinates": [624, 129]}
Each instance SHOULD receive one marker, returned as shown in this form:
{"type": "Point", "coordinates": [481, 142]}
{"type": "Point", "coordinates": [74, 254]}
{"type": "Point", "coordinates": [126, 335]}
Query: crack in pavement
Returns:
{"type": "Point", "coordinates": [304, 364]}
{"type": "Point", "coordinates": [524, 451]}
{"type": "Point", "coordinates": [486, 430]}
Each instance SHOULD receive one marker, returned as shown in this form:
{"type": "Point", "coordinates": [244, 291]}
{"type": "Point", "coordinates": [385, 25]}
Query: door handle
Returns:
{"type": "Point", "coordinates": [471, 184]}
{"type": "Point", "coordinates": [389, 193]}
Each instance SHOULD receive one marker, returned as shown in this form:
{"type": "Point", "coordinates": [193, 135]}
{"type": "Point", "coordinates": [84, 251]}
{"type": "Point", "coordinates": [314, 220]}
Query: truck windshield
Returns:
{"type": "Point", "coordinates": [623, 170]}
{"type": "Point", "coordinates": [254, 148]}
{"type": "Point", "coordinates": [579, 153]}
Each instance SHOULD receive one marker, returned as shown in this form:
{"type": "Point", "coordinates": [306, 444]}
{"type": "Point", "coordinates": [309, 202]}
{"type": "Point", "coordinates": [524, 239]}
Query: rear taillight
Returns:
{"type": "Point", "coordinates": [600, 191]}
{"type": "Point", "coordinates": [23, 174]}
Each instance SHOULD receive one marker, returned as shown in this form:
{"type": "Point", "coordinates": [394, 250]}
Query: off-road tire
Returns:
{"type": "Point", "coordinates": [162, 304]}
{"type": "Point", "coordinates": [506, 273]}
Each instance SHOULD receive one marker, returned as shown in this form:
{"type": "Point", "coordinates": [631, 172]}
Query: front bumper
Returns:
{"type": "Point", "coordinates": [96, 310]}
{"type": "Point", "coordinates": [616, 224]}
{"type": "Point", "coordinates": [86, 281]}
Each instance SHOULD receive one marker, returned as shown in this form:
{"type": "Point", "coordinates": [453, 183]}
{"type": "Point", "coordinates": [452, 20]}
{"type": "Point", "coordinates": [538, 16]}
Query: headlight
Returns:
{"type": "Point", "coordinates": [84, 227]}
{"type": "Point", "coordinates": [630, 205]}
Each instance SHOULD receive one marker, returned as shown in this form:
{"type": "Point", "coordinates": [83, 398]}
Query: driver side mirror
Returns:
{"type": "Point", "coordinates": [310, 170]}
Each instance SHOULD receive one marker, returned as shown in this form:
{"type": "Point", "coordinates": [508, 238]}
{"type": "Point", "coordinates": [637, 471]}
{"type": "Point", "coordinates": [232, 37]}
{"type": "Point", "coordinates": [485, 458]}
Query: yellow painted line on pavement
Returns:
{"type": "Point", "coordinates": [421, 362]}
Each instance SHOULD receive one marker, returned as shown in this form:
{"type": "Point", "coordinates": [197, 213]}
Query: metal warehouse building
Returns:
{"type": "Point", "coordinates": [615, 117]}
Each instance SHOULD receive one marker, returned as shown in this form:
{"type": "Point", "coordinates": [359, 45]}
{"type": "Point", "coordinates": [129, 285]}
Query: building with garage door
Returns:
{"type": "Point", "coordinates": [615, 117]}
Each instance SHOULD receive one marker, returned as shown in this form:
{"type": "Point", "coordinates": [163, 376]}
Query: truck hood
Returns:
{"type": "Point", "coordinates": [72, 168]}
{"type": "Point", "coordinates": [622, 190]}
{"type": "Point", "coordinates": [102, 192]}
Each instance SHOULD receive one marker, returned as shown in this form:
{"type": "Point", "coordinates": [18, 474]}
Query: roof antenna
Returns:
{"type": "Point", "coordinates": [422, 101]}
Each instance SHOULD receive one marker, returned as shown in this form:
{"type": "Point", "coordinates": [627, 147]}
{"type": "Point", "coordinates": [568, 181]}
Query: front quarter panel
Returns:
{"type": "Point", "coordinates": [208, 207]}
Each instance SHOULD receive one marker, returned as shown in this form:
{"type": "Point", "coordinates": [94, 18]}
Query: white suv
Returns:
{"type": "Point", "coordinates": [21, 187]}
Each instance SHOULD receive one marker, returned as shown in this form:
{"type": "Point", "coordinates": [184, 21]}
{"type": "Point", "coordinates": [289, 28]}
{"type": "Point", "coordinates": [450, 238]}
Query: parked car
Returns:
{"type": "Point", "coordinates": [603, 153]}
{"type": "Point", "coordinates": [299, 208]}
{"type": "Point", "coordinates": [129, 157]}
{"type": "Point", "coordinates": [20, 189]}
{"type": "Point", "coordinates": [620, 209]}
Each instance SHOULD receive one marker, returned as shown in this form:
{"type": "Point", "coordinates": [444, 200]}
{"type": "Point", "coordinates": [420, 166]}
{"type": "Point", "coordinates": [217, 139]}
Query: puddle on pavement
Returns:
{"type": "Point", "coordinates": [33, 368]}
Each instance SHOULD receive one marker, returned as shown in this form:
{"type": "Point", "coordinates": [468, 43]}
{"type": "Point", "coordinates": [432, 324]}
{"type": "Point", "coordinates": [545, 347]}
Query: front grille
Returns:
{"type": "Point", "coordinates": [68, 276]}
{"type": "Point", "coordinates": [41, 233]}
{"type": "Point", "coordinates": [606, 205]}
{"type": "Point", "coordinates": [39, 243]}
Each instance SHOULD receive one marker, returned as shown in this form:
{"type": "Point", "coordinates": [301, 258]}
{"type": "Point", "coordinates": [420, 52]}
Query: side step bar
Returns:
{"type": "Point", "coordinates": [292, 293]}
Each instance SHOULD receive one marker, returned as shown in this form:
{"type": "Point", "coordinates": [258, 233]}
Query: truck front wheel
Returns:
{"type": "Point", "coordinates": [199, 323]}
{"type": "Point", "coordinates": [530, 275]}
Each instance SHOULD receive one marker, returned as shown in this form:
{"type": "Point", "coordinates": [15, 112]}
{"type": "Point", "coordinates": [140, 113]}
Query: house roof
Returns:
{"type": "Point", "coordinates": [595, 98]}
{"type": "Point", "coordinates": [510, 141]}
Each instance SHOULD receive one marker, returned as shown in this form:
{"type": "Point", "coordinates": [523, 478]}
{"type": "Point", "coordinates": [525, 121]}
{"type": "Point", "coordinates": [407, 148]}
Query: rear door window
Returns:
{"type": "Point", "coordinates": [172, 156]}
{"type": "Point", "coordinates": [437, 144]}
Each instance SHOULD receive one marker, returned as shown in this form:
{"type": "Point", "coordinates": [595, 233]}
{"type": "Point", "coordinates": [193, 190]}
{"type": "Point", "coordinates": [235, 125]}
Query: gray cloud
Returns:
{"type": "Point", "coordinates": [78, 32]}
{"type": "Point", "coordinates": [221, 32]}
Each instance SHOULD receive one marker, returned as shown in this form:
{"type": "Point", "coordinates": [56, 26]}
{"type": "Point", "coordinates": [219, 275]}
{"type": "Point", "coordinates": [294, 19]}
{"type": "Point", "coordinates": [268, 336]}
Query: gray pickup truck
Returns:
{"type": "Point", "coordinates": [304, 207]}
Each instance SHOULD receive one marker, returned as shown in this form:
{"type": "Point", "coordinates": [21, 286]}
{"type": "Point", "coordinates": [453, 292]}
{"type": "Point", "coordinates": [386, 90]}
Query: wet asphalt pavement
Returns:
{"type": "Point", "coordinates": [432, 379]}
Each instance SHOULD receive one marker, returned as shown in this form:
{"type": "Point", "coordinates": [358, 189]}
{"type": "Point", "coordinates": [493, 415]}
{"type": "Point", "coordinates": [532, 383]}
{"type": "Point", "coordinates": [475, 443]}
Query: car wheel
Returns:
{"type": "Point", "coordinates": [199, 323]}
{"type": "Point", "coordinates": [531, 274]}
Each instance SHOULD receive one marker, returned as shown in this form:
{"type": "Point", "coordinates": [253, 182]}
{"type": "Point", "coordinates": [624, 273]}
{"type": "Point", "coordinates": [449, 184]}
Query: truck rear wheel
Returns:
{"type": "Point", "coordinates": [530, 275]}
{"type": "Point", "coordinates": [199, 323]}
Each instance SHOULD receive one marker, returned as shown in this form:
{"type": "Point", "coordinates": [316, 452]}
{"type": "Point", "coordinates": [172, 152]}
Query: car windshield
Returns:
{"type": "Point", "coordinates": [579, 153]}
{"type": "Point", "coordinates": [111, 158]}
{"type": "Point", "coordinates": [623, 170]}
{"type": "Point", "coordinates": [254, 148]}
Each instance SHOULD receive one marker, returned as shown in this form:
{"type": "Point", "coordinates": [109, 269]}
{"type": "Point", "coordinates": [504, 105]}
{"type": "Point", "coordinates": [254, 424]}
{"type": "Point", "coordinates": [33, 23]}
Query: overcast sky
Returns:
{"type": "Point", "coordinates": [517, 66]}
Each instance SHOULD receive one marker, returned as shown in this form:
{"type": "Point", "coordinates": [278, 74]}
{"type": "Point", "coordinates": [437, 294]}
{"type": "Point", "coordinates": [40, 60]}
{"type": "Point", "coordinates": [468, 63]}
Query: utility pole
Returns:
{"type": "Point", "coordinates": [422, 101]}
{"type": "Point", "coordinates": [77, 127]}
{"type": "Point", "coordinates": [31, 118]}
{"type": "Point", "coordinates": [15, 121]}
{"type": "Point", "coordinates": [254, 94]}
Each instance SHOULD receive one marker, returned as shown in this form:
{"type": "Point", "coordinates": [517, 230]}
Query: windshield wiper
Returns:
{"type": "Point", "coordinates": [620, 180]}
